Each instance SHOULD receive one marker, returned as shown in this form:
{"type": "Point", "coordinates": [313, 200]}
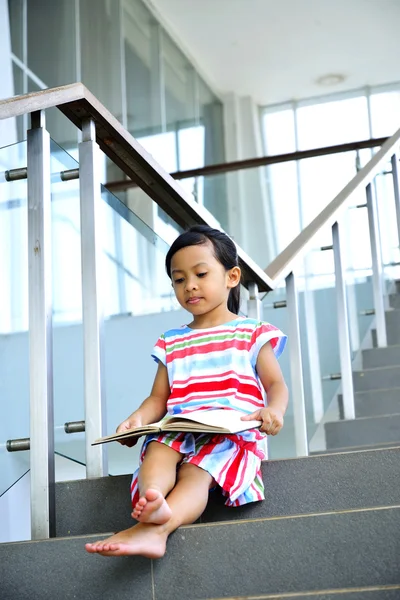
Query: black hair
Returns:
{"type": "Point", "coordinates": [224, 251]}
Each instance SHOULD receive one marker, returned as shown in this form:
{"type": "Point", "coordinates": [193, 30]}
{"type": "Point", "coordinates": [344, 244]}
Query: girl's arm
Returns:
{"type": "Point", "coordinates": [271, 377]}
{"type": "Point", "coordinates": [152, 409]}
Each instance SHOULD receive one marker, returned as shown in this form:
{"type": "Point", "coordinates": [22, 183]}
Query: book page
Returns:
{"type": "Point", "coordinates": [134, 432]}
{"type": "Point", "coordinates": [226, 419]}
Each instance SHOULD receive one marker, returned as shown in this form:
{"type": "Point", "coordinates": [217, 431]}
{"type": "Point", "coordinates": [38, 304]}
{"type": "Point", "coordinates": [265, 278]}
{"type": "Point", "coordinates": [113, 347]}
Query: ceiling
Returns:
{"type": "Point", "coordinates": [277, 50]}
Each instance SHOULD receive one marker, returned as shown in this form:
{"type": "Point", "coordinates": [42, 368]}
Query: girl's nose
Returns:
{"type": "Point", "coordinates": [191, 284]}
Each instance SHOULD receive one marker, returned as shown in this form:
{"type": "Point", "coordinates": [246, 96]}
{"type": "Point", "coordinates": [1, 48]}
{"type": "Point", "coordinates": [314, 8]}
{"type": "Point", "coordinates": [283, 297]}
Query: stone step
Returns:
{"type": "Point", "coordinates": [352, 449]}
{"type": "Point", "coordinates": [381, 357]}
{"type": "Point", "coordinates": [394, 300]}
{"type": "Point", "coordinates": [392, 328]}
{"type": "Point", "coordinates": [333, 550]}
{"type": "Point", "coordinates": [363, 431]}
{"type": "Point", "coordinates": [383, 592]}
{"type": "Point", "coordinates": [363, 479]}
{"type": "Point", "coordinates": [374, 403]}
{"type": "Point", "coordinates": [375, 379]}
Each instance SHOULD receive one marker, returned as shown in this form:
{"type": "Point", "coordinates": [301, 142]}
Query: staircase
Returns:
{"type": "Point", "coordinates": [329, 528]}
{"type": "Point", "coordinates": [377, 394]}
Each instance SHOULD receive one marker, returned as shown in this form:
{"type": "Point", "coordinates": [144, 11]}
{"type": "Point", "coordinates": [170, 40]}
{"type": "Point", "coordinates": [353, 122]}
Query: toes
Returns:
{"type": "Point", "coordinates": [96, 547]}
{"type": "Point", "coordinates": [152, 495]}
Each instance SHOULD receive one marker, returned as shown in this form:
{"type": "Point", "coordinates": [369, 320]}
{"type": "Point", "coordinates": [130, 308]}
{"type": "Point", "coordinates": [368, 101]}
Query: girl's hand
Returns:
{"type": "Point", "coordinates": [129, 423]}
{"type": "Point", "coordinates": [272, 419]}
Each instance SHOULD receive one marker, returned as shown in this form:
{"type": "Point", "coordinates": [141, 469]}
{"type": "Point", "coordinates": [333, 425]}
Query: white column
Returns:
{"type": "Point", "coordinates": [249, 214]}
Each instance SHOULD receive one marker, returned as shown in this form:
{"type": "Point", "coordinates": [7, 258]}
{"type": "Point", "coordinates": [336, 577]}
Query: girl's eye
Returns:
{"type": "Point", "coordinates": [180, 280]}
{"type": "Point", "coordinates": [201, 274]}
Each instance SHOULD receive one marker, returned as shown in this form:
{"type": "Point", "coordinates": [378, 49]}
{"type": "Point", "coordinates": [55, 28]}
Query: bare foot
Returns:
{"type": "Point", "coordinates": [152, 508]}
{"type": "Point", "coordinates": [144, 539]}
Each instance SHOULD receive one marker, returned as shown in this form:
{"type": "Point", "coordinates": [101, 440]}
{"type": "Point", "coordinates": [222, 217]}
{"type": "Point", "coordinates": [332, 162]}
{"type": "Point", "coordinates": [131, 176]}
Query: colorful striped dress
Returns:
{"type": "Point", "coordinates": [216, 368]}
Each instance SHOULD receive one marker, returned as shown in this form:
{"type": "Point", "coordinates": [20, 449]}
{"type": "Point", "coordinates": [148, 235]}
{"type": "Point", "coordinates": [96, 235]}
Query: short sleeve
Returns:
{"type": "Point", "coordinates": [159, 352]}
{"type": "Point", "coordinates": [264, 333]}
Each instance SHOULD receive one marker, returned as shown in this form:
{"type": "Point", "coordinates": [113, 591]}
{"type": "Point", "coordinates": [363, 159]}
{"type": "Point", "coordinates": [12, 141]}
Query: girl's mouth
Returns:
{"type": "Point", "coordinates": [193, 300]}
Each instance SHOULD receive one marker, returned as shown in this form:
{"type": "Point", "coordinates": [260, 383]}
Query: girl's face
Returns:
{"type": "Point", "coordinates": [201, 284]}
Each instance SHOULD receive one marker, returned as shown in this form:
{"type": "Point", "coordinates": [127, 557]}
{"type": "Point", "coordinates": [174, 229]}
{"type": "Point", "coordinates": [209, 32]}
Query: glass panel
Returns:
{"type": "Point", "coordinates": [279, 131]}
{"type": "Point", "coordinates": [135, 290]}
{"type": "Point", "coordinates": [18, 77]}
{"type": "Point", "coordinates": [51, 41]}
{"type": "Point", "coordinates": [15, 9]}
{"type": "Point", "coordinates": [14, 363]}
{"type": "Point", "coordinates": [100, 36]}
{"type": "Point", "coordinates": [180, 87]}
{"type": "Point", "coordinates": [389, 234]}
{"type": "Point", "coordinates": [385, 111]}
{"type": "Point", "coordinates": [214, 190]}
{"type": "Point", "coordinates": [332, 123]}
{"type": "Point", "coordinates": [142, 79]}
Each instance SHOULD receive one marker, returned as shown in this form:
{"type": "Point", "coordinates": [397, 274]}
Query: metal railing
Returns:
{"type": "Point", "coordinates": [260, 161]}
{"type": "Point", "coordinates": [101, 129]}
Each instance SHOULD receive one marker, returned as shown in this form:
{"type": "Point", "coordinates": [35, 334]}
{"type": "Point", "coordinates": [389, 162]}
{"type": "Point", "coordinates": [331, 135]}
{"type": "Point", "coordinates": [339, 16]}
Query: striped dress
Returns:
{"type": "Point", "coordinates": [216, 368]}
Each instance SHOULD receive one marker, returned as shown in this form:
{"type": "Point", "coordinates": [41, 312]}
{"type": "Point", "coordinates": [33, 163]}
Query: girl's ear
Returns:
{"type": "Point", "coordinates": [234, 276]}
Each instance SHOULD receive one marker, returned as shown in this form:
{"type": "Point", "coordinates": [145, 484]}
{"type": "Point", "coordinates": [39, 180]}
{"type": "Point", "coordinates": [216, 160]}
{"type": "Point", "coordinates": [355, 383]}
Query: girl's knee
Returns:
{"type": "Point", "coordinates": [188, 470]}
{"type": "Point", "coordinates": [157, 450]}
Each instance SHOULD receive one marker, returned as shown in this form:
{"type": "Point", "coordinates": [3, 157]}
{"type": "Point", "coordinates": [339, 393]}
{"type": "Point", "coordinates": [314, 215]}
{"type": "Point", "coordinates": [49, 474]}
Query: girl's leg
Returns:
{"type": "Point", "coordinates": [189, 497]}
{"type": "Point", "coordinates": [186, 501]}
{"type": "Point", "coordinates": [157, 477]}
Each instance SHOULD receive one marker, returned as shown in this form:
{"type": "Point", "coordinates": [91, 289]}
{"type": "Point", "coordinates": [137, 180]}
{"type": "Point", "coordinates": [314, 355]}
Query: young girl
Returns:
{"type": "Point", "coordinates": [219, 360]}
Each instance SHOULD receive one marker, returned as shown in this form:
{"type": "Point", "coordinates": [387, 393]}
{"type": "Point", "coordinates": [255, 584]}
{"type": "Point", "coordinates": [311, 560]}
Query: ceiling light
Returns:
{"type": "Point", "coordinates": [331, 79]}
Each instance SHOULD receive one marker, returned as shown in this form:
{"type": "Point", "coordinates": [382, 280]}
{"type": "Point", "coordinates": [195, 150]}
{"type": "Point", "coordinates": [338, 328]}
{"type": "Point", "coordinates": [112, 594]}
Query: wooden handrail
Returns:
{"type": "Point", "coordinates": [262, 161]}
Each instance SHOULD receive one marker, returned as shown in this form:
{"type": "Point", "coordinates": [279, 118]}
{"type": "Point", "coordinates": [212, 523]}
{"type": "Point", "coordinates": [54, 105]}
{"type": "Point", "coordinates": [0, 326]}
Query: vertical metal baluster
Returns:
{"type": "Point", "coordinates": [40, 331]}
{"type": "Point", "coordinates": [254, 305]}
{"type": "Point", "coordinates": [90, 197]}
{"type": "Point", "coordinates": [377, 275]}
{"type": "Point", "coordinates": [396, 189]}
{"type": "Point", "coordinates": [312, 343]}
{"type": "Point", "coordinates": [254, 311]}
{"type": "Point", "coordinates": [296, 368]}
{"type": "Point", "coordinates": [343, 326]}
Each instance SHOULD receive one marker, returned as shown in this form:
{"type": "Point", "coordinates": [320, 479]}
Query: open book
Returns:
{"type": "Point", "coordinates": [199, 421]}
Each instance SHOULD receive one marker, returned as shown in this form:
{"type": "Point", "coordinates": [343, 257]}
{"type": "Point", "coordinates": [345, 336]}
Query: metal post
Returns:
{"type": "Point", "coordinates": [254, 311]}
{"type": "Point", "coordinates": [90, 198]}
{"type": "Point", "coordinates": [296, 368]}
{"type": "Point", "coordinates": [343, 327]}
{"type": "Point", "coordinates": [377, 275]}
{"type": "Point", "coordinates": [254, 305]}
{"type": "Point", "coordinates": [40, 331]}
{"type": "Point", "coordinates": [396, 189]}
{"type": "Point", "coordinates": [312, 344]}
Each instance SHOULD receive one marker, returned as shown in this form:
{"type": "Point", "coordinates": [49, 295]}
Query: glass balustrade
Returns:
{"type": "Point", "coordinates": [139, 304]}
{"type": "Point", "coordinates": [135, 293]}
